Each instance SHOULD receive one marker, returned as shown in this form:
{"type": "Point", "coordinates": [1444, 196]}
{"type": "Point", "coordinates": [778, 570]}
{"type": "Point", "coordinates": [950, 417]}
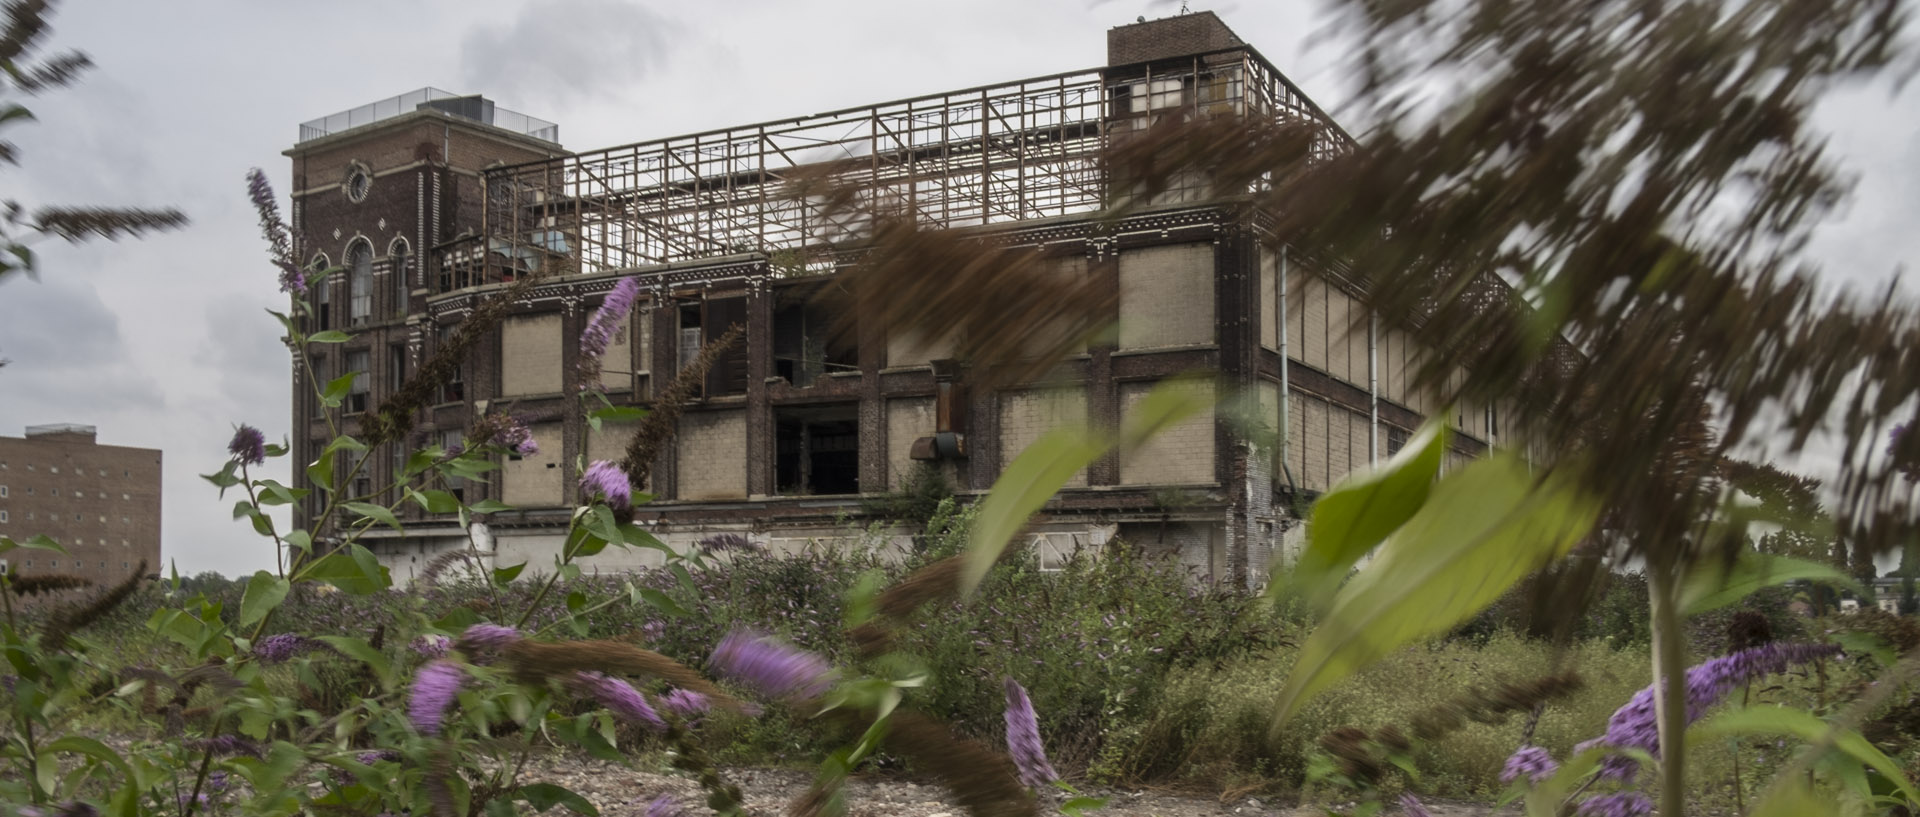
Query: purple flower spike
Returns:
{"type": "Point", "coordinates": [434, 689]}
{"type": "Point", "coordinates": [1620, 804]}
{"type": "Point", "coordinates": [600, 328]}
{"type": "Point", "coordinates": [278, 648]}
{"type": "Point", "coordinates": [505, 430]}
{"type": "Point", "coordinates": [248, 447]}
{"type": "Point", "coordinates": [432, 646]}
{"type": "Point", "coordinates": [685, 703]}
{"type": "Point", "coordinates": [1023, 739]}
{"type": "Point", "coordinates": [775, 669]}
{"type": "Point", "coordinates": [619, 696]}
{"type": "Point", "coordinates": [274, 231]}
{"type": "Point", "coordinates": [1634, 726]}
{"type": "Point", "coordinates": [1412, 807]}
{"type": "Point", "coordinates": [491, 637]}
{"type": "Point", "coordinates": [665, 806]}
{"type": "Point", "coordinates": [1531, 762]}
{"type": "Point", "coordinates": [606, 482]}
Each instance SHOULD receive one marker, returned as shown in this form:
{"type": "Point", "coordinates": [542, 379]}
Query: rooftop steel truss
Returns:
{"type": "Point", "coordinates": [990, 155]}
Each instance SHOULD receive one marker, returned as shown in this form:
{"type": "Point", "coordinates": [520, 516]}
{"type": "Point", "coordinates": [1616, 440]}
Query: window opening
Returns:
{"type": "Point", "coordinates": [817, 450]}
{"type": "Point", "coordinates": [359, 282]}
{"type": "Point", "coordinates": [398, 261]}
{"type": "Point", "coordinates": [455, 389]}
{"type": "Point", "coordinates": [357, 363]}
{"type": "Point", "coordinates": [804, 348]}
{"type": "Point", "coordinates": [317, 284]}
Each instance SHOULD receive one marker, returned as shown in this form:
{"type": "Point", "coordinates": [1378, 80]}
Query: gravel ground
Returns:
{"type": "Point", "coordinates": [623, 792]}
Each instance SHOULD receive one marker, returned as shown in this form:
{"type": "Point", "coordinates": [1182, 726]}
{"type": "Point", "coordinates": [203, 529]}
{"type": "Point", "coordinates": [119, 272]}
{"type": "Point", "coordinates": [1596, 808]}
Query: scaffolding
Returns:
{"type": "Point", "coordinates": [995, 154]}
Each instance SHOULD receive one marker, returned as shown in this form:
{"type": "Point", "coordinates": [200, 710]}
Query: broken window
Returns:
{"type": "Point", "coordinates": [817, 450]}
{"type": "Point", "coordinates": [804, 347]}
{"type": "Point", "coordinates": [358, 364]}
{"type": "Point", "coordinates": [454, 390]}
{"type": "Point", "coordinates": [703, 321]}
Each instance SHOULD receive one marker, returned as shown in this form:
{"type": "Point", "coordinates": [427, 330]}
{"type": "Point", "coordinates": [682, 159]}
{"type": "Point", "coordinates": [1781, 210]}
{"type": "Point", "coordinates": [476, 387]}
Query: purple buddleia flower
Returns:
{"type": "Point", "coordinates": [216, 782]}
{"type": "Point", "coordinates": [1023, 738]}
{"type": "Point", "coordinates": [504, 430]}
{"type": "Point", "coordinates": [431, 646]}
{"type": "Point", "coordinates": [1635, 726]}
{"type": "Point", "coordinates": [1531, 762]}
{"type": "Point", "coordinates": [248, 446]}
{"type": "Point", "coordinates": [370, 758]}
{"type": "Point", "coordinates": [1412, 807]}
{"type": "Point", "coordinates": [490, 637]}
{"type": "Point", "coordinates": [274, 231]}
{"type": "Point", "coordinates": [685, 703]}
{"type": "Point", "coordinates": [434, 689]}
{"type": "Point", "coordinates": [1618, 804]}
{"type": "Point", "coordinates": [600, 328]}
{"type": "Point", "coordinates": [278, 648]}
{"type": "Point", "coordinates": [775, 669]}
{"type": "Point", "coordinates": [621, 698]}
{"type": "Point", "coordinates": [605, 481]}
{"type": "Point", "coordinates": [665, 806]}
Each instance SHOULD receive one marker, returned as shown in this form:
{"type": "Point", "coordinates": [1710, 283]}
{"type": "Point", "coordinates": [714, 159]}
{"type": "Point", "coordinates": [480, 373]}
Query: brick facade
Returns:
{"type": "Point", "coordinates": [100, 502]}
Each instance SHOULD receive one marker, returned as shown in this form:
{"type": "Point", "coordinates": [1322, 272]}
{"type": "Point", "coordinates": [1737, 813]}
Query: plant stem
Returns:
{"type": "Point", "coordinates": [1670, 696]}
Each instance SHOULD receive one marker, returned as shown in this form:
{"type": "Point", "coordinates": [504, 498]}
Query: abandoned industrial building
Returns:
{"type": "Point", "coordinates": [428, 203]}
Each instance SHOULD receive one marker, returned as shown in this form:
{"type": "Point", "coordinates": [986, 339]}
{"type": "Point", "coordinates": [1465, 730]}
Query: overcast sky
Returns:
{"type": "Point", "coordinates": [162, 343]}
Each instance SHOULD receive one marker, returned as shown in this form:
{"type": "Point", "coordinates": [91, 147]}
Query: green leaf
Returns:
{"type": "Point", "coordinates": [1482, 529]}
{"type": "Point", "coordinates": [490, 506]}
{"type": "Point", "coordinates": [79, 745]}
{"type": "Point", "coordinates": [1026, 485]}
{"type": "Point", "coordinates": [265, 591]}
{"type": "Point", "coordinates": [337, 389]}
{"type": "Point", "coordinates": [1782, 720]}
{"type": "Point", "coordinates": [422, 460]}
{"type": "Point", "coordinates": [38, 542]}
{"type": "Point", "coordinates": [506, 575]}
{"type": "Point", "coordinates": [273, 493]}
{"type": "Point", "coordinates": [1710, 588]}
{"type": "Point", "coordinates": [1792, 798]}
{"type": "Point", "coordinates": [544, 796]}
{"type": "Point", "coordinates": [1362, 510]}
{"type": "Point", "coordinates": [377, 513]}
{"type": "Point", "coordinates": [320, 473]}
{"type": "Point", "coordinates": [329, 336]}
{"type": "Point", "coordinates": [436, 501]}
{"type": "Point", "coordinates": [353, 569]}
{"type": "Point", "coordinates": [300, 540]}
{"type": "Point", "coordinates": [1039, 472]}
{"type": "Point", "coordinates": [363, 652]}
{"type": "Point", "coordinates": [1077, 806]}
{"type": "Point", "coordinates": [660, 601]}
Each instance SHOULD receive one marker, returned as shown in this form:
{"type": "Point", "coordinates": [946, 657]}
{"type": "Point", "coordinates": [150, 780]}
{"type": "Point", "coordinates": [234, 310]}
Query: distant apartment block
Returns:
{"type": "Point", "coordinates": [100, 502]}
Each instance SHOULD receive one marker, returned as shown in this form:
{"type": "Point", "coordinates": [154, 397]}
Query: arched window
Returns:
{"type": "Point", "coordinates": [317, 285]}
{"type": "Point", "coordinates": [359, 282]}
{"type": "Point", "coordinates": [402, 272]}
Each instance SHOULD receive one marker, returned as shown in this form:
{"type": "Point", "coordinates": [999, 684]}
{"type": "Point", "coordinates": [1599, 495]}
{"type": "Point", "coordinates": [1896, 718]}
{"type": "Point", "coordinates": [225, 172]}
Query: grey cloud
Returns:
{"type": "Point", "coordinates": [66, 350]}
{"type": "Point", "coordinates": [251, 368]}
{"type": "Point", "coordinates": [557, 52]}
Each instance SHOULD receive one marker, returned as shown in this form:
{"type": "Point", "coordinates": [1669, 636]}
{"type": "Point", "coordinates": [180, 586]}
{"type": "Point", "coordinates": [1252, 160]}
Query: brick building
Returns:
{"type": "Point", "coordinates": [433, 202]}
{"type": "Point", "coordinates": [100, 502]}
